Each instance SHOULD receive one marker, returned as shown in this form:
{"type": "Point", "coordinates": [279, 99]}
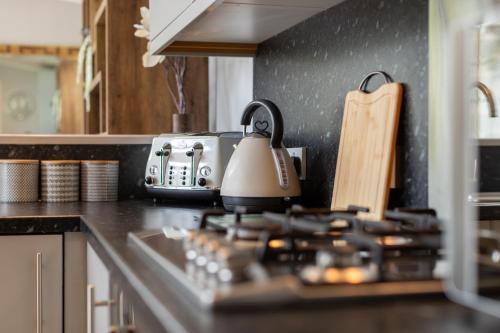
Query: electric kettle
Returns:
{"type": "Point", "coordinates": [260, 174]}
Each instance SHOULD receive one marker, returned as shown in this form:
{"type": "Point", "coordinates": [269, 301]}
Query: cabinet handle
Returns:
{"type": "Point", "coordinates": [38, 292]}
{"type": "Point", "coordinates": [91, 304]}
{"type": "Point", "coordinates": [90, 308]}
{"type": "Point", "coordinates": [122, 329]}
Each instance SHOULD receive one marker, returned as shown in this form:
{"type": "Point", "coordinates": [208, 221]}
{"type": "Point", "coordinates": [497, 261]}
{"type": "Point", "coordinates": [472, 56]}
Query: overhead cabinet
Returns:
{"type": "Point", "coordinates": [234, 27]}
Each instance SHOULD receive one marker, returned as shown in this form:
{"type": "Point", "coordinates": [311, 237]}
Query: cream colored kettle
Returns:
{"type": "Point", "coordinates": [260, 174]}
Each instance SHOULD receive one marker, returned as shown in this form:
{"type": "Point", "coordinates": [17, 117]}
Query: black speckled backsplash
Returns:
{"type": "Point", "coordinates": [132, 159]}
{"type": "Point", "coordinates": [308, 69]}
{"type": "Point", "coordinates": [489, 170]}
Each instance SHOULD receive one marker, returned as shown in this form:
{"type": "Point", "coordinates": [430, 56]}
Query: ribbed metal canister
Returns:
{"type": "Point", "coordinates": [19, 180]}
{"type": "Point", "coordinates": [99, 180]}
{"type": "Point", "coordinates": [60, 181]}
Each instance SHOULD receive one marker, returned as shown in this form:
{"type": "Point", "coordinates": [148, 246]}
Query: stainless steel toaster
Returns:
{"type": "Point", "coordinates": [189, 166]}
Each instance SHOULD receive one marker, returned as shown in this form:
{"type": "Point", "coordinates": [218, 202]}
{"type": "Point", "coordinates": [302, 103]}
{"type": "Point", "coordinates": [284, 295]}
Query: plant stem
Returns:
{"type": "Point", "coordinates": [178, 65]}
{"type": "Point", "coordinates": [165, 66]}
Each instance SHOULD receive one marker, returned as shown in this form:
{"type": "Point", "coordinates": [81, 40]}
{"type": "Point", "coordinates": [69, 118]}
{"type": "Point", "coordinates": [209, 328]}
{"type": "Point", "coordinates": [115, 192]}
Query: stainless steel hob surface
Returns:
{"type": "Point", "coordinates": [301, 256]}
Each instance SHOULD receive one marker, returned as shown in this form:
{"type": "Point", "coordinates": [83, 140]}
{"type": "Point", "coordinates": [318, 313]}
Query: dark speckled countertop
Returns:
{"type": "Point", "coordinates": [162, 308]}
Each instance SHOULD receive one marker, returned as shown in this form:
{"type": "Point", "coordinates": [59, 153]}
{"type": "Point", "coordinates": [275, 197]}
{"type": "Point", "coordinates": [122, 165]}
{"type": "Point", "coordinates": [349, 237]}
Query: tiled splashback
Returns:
{"type": "Point", "coordinates": [132, 160]}
{"type": "Point", "coordinates": [309, 69]}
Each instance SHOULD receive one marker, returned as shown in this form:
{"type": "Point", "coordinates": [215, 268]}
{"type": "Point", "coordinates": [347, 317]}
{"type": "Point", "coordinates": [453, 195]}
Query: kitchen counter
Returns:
{"type": "Point", "coordinates": [161, 308]}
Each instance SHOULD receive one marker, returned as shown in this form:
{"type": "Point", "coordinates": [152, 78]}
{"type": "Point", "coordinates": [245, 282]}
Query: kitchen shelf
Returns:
{"type": "Point", "coordinates": [93, 118]}
{"type": "Point", "coordinates": [125, 97]}
{"type": "Point", "coordinates": [99, 17]}
{"type": "Point", "coordinates": [96, 81]}
{"type": "Point", "coordinates": [92, 125]}
{"type": "Point", "coordinates": [99, 39]}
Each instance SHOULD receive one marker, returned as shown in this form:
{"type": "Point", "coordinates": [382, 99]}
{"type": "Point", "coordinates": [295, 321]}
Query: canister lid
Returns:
{"type": "Point", "coordinates": [19, 161]}
{"type": "Point", "coordinates": [60, 162]}
{"type": "Point", "coordinates": [100, 162]}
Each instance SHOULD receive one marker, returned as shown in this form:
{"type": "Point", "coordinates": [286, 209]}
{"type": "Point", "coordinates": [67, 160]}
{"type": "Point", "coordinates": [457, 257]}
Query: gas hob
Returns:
{"type": "Point", "coordinates": [305, 255]}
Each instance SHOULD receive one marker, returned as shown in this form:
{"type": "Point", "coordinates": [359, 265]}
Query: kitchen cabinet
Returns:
{"type": "Point", "coordinates": [164, 12]}
{"type": "Point", "coordinates": [32, 284]}
{"type": "Point", "coordinates": [98, 293]}
{"type": "Point", "coordinates": [229, 27]}
{"type": "Point", "coordinates": [122, 316]}
{"type": "Point", "coordinates": [108, 307]}
{"type": "Point", "coordinates": [75, 282]}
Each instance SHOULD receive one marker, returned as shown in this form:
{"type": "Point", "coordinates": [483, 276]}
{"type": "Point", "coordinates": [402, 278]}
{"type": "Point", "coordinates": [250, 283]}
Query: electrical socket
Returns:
{"type": "Point", "coordinates": [300, 153]}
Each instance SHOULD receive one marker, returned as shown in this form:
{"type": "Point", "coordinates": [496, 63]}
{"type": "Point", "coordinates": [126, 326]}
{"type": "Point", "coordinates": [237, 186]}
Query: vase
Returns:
{"type": "Point", "coordinates": [181, 122]}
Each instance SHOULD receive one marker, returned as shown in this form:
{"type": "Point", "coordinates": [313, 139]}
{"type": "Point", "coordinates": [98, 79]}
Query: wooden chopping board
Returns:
{"type": "Point", "coordinates": [367, 147]}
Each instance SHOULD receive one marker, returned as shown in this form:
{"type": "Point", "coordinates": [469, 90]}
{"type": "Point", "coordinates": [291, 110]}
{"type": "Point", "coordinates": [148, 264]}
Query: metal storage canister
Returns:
{"type": "Point", "coordinates": [60, 181]}
{"type": "Point", "coordinates": [99, 180]}
{"type": "Point", "coordinates": [19, 180]}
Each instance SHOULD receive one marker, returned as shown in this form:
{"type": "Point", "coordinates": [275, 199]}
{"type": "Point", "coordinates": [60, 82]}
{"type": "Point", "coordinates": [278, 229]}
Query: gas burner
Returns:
{"type": "Point", "coordinates": [394, 240]}
{"type": "Point", "coordinates": [250, 230]}
{"type": "Point", "coordinates": [339, 256]}
{"type": "Point", "coordinates": [306, 254]}
{"type": "Point", "coordinates": [311, 248]}
{"type": "Point", "coordinates": [316, 275]}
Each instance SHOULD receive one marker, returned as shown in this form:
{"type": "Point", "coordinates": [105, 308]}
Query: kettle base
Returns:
{"type": "Point", "coordinates": [258, 205]}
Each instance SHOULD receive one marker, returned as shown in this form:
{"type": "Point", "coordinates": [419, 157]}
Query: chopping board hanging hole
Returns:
{"type": "Point", "coordinates": [365, 162]}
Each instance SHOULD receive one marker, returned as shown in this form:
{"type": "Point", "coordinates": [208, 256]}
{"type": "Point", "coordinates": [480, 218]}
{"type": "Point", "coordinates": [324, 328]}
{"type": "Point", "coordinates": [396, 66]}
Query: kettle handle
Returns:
{"type": "Point", "coordinates": [276, 117]}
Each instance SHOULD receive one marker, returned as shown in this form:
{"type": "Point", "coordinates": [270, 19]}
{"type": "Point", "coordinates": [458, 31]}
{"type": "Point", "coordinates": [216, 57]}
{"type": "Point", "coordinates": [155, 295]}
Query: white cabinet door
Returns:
{"type": "Point", "coordinates": [170, 17]}
{"type": "Point", "coordinates": [164, 12]}
{"type": "Point", "coordinates": [98, 280]}
{"type": "Point", "coordinates": [31, 286]}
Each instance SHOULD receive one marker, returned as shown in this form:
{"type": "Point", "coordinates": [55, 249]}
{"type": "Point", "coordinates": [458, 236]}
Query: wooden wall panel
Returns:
{"type": "Point", "coordinates": [72, 114]}
{"type": "Point", "coordinates": [138, 101]}
{"type": "Point", "coordinates": [197, 92]}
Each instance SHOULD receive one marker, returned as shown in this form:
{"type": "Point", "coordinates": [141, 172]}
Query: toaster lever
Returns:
{"type": "Point", "coordinates": [195, 154]}
{"type": "Point", "coordinates": [165, 153]}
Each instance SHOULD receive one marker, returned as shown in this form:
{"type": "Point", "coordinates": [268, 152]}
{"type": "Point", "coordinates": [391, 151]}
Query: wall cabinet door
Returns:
{"type": "Point", "coordinates": [224, 22]}
{"type": "Point", "coordinates": [164, 12]}
{"type": "Point", "coordinates": [170, 17]}
{"type": "Point", "coordinates": [31, 286]}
